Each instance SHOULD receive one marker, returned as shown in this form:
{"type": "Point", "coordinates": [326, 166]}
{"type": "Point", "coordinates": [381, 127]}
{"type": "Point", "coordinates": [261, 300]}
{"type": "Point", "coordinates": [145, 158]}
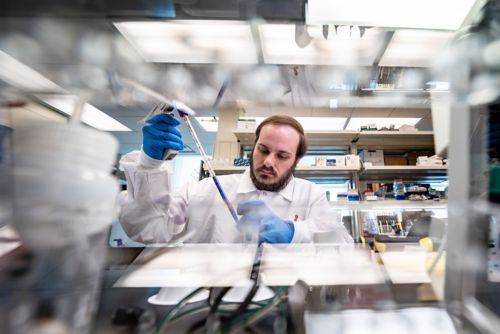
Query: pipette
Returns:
{"type": "Point", "coordinates": [183, 112]}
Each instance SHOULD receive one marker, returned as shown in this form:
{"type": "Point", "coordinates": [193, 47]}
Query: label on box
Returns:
{"type": "Point", "coordinates": [320, 161]}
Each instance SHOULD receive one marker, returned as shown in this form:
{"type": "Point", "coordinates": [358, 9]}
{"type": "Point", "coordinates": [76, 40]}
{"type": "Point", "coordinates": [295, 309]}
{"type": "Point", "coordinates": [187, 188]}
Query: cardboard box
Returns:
{"type": "Point", "coordinates": [376, 157]}
{"type": "Point", "coordinates": [395, 160]}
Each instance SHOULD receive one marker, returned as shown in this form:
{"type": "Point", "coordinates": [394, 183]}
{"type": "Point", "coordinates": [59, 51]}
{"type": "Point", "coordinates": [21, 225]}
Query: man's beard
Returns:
{"type": "Point", "coordinates": [276, 186]}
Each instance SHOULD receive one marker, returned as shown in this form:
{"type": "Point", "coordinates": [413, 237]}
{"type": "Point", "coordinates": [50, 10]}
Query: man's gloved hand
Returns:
{"type": "Point", "coordinates": [160, 133]}
{"type": "Point", "coordinates": [273, 229]}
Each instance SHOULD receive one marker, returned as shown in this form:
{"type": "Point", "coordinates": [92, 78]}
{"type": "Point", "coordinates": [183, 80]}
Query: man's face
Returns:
{"type": "Point", "coordinates": [274, 157]}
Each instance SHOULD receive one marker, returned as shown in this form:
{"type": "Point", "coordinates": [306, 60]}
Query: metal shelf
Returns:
{"type": "Point", "coordinates": [247, 137]}
{"type": "Point", "coordinates": [229, 170]}
{"type": "Point", "coordinates": [395, 139]}
{"type": "Point", "coordinates": [387, 204]}
{"type": "Point", "coordinates": [298, 171]}
{"type": "Point", "coordinates": [386, 140]}
{"type": "Point", "coordinates": [325, 171]}
{"type": "Point", "coordinates": [442, 170]}
{"type": "Point", "coordinates": [369, 139]}
{"type": "Point", "coordinates": [416, 172]}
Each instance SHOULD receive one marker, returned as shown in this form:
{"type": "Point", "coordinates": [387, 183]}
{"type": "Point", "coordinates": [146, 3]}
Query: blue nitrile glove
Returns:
{"type": "Point", "coordinates": [160, 133]}
{"type": "Point", "coordinates": [273, 229]}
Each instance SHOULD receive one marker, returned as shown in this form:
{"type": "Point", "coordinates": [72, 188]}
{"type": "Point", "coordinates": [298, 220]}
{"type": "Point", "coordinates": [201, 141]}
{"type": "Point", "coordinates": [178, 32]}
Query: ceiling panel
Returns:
{"type": "Point", "coordinates": [415, 48]}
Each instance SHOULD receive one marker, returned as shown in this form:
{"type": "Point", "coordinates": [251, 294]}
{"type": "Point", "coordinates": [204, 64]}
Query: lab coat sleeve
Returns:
{"type": "Point", "coordinates": [322, 219]}
{"type": "Point", "coordinates": [150, 213]}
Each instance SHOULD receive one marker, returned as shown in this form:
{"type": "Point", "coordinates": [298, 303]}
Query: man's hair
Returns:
{"type": "Point", "coordinates": [290, 121]}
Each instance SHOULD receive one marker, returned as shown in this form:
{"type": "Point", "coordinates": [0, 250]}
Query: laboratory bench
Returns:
{"type": "Point", "coordinates": [301, 287]}
{"type": "Point", "coordinates": [309, 283]}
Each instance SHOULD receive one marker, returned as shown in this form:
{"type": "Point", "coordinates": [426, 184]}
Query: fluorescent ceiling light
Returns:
{"type": "Point", "coordinates": [24, 77]}
{"type": "Point", "coordinates": [191, 41]}
{"type": "Point", "coordinates": [91, 115]}
{"type": "Point", "coordinates": [422, 14]}
{"type": "Point", "coordinates": [322, 123]}
{"type": "Point", "coordinates": [355, 123]}
{"type": "Point", "coordinates": [279, 47]}
{"type": "Point", "coordinates": [415, 48]}
{"type": "Point", "coordinates": [210, 124]}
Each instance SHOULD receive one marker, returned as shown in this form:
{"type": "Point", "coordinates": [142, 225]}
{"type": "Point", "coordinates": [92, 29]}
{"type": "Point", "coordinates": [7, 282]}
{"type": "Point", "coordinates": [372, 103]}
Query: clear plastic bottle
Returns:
{"type": "Point", "coordinates": [399, 189]}
{"type": "Point", "coordinates": [371, 223]}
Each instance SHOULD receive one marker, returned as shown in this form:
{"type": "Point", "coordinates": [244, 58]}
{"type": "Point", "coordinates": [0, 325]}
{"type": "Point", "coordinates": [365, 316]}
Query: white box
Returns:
{"type": "Point", "coordinates": [376, 157]}
{"type": "Point", "coordinates": [340, 160]}
{"type": "Point", "coordinates": [422, 161]}
{"type": "Point", "coordinates": [352, 161]}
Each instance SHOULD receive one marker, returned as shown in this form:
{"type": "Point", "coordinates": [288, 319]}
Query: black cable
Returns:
{"type": "Point", "coordinates": [210, 296]}
{"type": "Point", "coordinates": [197, 325]}
{"type": "Point", "coordinates": [218, 300]}
{"type": "Point", "coordinates": [243, 306]}
{"type": "Point", "coordinates": [213, 309]}
{"type": "Point", "coordinates": [254, 275]}
{"type": "Point", "coordinates": [172, 312]}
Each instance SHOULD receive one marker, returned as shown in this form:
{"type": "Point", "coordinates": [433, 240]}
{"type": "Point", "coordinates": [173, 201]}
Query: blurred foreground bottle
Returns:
{"type": "Point", "coordinates": [5, 165]}
{"type": "Point", "coordinates": [64, 201]}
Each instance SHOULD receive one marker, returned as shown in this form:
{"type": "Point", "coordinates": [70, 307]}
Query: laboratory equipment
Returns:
{"type": "Point", "coordinates": [472, 293]}
{"type": "Point", "coordinates": [64, 200]}
{"type": "Point", "coordinates": [399, 189]}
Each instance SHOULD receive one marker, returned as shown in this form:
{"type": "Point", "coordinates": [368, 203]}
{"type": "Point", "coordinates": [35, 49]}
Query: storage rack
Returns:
{"type": "Point", "coordinates": [353, 141]}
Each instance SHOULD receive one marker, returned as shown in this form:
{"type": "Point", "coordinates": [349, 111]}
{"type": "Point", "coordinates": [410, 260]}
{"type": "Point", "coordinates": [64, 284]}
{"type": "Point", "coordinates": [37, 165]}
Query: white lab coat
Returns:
{"type": "Point", "coordinates": [151, 213]}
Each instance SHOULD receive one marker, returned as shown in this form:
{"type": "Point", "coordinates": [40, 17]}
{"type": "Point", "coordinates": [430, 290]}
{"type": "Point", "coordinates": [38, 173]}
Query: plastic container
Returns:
{"type": "Point", "coordinates": [63, 188]}
{"type": "Point", "coordinates": [399, 189]}
{"type": "Point", "coordinates": [64, 199]}
{"type": "Point", "coordinates": [371, 223]}
{"type": "Point", "coordinates": [352, 195]}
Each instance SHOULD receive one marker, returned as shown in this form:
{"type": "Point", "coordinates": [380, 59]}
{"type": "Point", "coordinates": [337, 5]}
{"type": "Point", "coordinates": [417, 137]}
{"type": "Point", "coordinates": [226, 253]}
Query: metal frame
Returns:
{"type": "Point", "coordinates": [466, 263]}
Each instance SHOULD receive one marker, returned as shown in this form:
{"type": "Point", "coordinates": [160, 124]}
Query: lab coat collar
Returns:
{"type": "Point", "coordinates": [246, 186]}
